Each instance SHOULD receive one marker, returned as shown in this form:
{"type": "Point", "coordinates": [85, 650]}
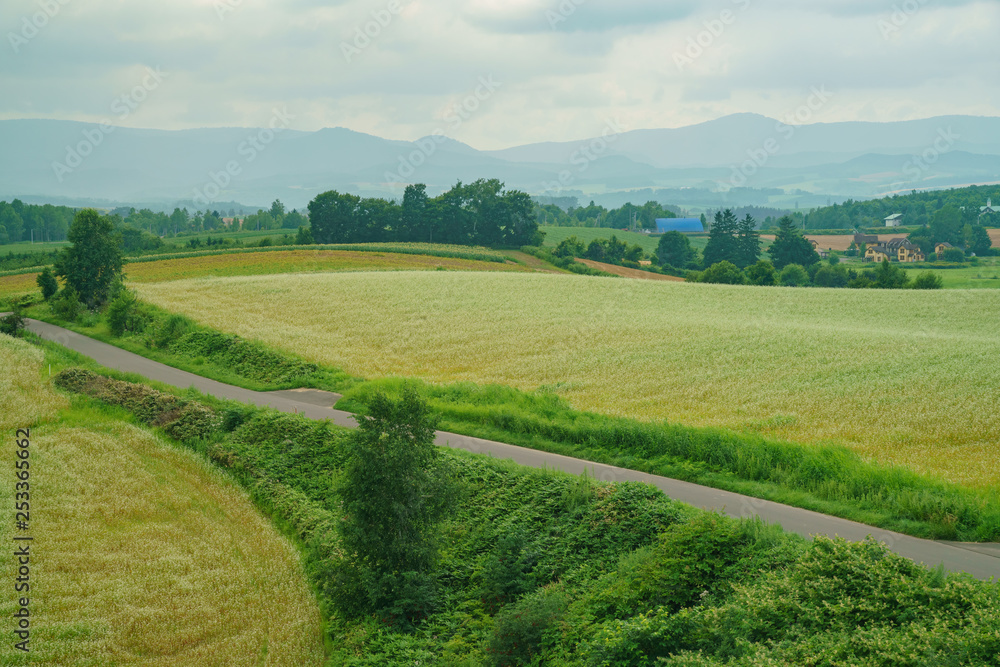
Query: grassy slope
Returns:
{"type": "Point", "coordinates": [145, 553]}
{"type": "Point", "coordinates": [896, 376]}
{"type": "Point", "coordinates": [541, 568]}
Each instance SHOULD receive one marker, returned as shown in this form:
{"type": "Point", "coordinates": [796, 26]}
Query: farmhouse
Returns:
{"type": "Point", "coordinates": [941, 247]}
{"type": "Point", "coordinates": [685, 225]}
{"type": "Point", "coordinates": [894, 220]}
{"type": "Point", "coordinates": [864, 239]}
{"type": "Point", "coordinates": [989, 208]}
{"type": "Point", "coordinates": [896, 250]}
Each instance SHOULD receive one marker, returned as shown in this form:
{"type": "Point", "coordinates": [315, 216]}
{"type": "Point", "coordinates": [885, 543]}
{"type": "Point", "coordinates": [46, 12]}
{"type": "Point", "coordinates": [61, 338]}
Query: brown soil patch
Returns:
{"type": "Point", "coordinates": [626, 272]}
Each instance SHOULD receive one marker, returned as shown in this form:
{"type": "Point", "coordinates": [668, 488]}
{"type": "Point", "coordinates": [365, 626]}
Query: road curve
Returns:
{"type": "Point", "coordinates": [980, 560]}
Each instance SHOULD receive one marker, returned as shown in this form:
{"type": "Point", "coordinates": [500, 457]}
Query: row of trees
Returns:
{"type": "Point", "coordinates": [628, 216]}
{"type": "Point", "coordinates": [832, 274]}
{"type": "Point", "coordinates": [917, 209]}
{"type": "Point", "coordinates": [26, 222]}
{"type": "Point", "coordinates": [182, 221]}
{"type": "Point", "coordinates": [951, 225]}
{"type": "Point", "coordinates": [480, 213]}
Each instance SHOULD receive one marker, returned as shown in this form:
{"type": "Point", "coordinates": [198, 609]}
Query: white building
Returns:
{"type": "Point", "coordinates": [894, 220]}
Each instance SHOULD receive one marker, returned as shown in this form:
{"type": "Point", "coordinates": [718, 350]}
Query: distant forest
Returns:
{"type": "Point", "coordinates": [627, 217]}
{"type": "Point", "coordinates": [917, 209]}
{"type": "Point", "coordinates": [26, 222]}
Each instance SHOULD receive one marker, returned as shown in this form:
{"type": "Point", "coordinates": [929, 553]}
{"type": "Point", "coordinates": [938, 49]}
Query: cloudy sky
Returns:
{"type": "Point", "coordinates": [494, 73]}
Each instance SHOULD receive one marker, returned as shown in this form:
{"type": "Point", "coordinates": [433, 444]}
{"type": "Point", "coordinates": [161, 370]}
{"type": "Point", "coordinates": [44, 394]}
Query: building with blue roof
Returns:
{"type": "Point", "coordinates": [685, 225]}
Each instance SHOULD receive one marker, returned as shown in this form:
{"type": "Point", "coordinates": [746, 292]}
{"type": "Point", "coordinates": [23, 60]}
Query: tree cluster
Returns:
{"type": "Point", "coordinates": [832, 274]}
{"type": "Point", "coordinates": [731, 240]}
{"type": "Point", "coordinates": [628, 216]}
{"type": "Point", "coordinates": [481, 213]}
{"type": "Point", "coordinates": [24, 222]}
{"type": "Point", "coordinates": [917, 208]}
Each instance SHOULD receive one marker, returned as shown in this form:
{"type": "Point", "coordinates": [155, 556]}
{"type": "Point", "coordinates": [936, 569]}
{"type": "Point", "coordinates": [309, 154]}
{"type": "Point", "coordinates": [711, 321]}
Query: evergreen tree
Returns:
{"type": "Point", "coordinates": [748, 242]}
{"type": "Point", "coordinates": [790, 247]}
{"type": "Point", "coordinates": [723, 245]}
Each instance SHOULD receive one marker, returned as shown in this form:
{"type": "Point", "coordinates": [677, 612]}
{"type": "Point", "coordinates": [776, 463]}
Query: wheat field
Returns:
{"type": "Point", "coordinates": [143, 554]}
{"type": "Point", "coordinates": [901, 377]}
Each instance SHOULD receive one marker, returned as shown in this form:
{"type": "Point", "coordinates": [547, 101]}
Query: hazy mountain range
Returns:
{"type": "Point", "coordinates": [768, 163]}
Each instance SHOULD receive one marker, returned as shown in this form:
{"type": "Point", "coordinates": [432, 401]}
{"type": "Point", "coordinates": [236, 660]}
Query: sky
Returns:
{"type": "Point", "coordinates": [495, 73]}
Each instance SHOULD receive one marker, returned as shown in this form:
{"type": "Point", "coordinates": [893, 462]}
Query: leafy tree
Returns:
{"type": "Point", "coordinates": [831, 276]}
{"type": "Point", "coordinates": [890, 276]}
{"type": "Point", "coordinates": [723, 273]}
{"type": "Point", "coordinates": [47, 283]}
{"type": "Point", "coordinates": [571, 247]}
{"type": "Point", "coordinates": [793, 275]}
{"type": "Point", "coordinates": [723, 245]}
{"type": "Point", "coordinates": [12, 324]}
{"type": "Point", "coordinates": [277, 210]}
{"type": "Point", "coordinates": [393, 496]}
{"type": "Point", "coordinates": [946, 225]}
{"type": "Point", "coordinates": [956, 255]}
{"type": "Point", "coordinates": [928, 280]}
{"type": "Point", "coordinates": [304, 237]}
{"type": "Point", "coordinates": [293, 220]}
{"type": "Point", "coordinates": [66, 305]}
{"type": "Point", "coordinates": [762, 273]}
{"type": "Point", "coordinates": [93, 261]}
{"type": "Point", "coordinates": [790, 247]}
{"type": "Point", "coordinates": [675, 250]}
{"type": "Point", "coordinates": [11, 221]}
{"type": "Point", "coordinates": [978, 240]}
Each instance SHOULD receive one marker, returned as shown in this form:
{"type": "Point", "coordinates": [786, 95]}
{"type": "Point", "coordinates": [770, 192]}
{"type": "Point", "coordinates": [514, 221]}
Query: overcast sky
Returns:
{"type": "Point", "coordinates": [542, 69]}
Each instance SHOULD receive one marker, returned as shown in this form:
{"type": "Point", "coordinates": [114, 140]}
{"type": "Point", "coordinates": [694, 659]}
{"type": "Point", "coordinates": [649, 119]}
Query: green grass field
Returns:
{"type": "Point", "coordinates": [896, 376]}
{"type": "Point", "coordinates": [146, 554]}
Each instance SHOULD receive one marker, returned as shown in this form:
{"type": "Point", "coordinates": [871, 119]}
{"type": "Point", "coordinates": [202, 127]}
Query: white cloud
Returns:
{"type": "Point", "coordinates": [561, 81]}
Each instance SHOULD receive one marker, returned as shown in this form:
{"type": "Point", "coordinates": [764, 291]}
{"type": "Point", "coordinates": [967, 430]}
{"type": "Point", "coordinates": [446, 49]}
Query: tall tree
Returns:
{"type": "Point", "coordinates": [790, 247]}
{"type": "Point", "coordinates": [675, 250]}
{"type": "Point", "coordinates": [723, 245]}
{"type": "Point", "coordinates": [413, 221]}
{"type": "Point", "coordinates": [93, 261]}
{"type": "Point", "coordinates": [748, 242]}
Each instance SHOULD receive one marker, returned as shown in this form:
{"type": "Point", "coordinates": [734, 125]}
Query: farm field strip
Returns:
{"type": "Point", "coordinates": [146, 554]}
{"type": "Point", "coordinates": [898, 377]}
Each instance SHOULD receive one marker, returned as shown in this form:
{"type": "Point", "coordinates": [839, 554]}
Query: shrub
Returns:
{"type": "Point", "coordinates": [12, 324]}
{"type": "Point", "coordinates": [794, 275]}
{"type": "Point", "coordinates": [953, 255]}
{"type": "Point", "coordinates": [723, 273]}
{"type": "Point", "coordinates": [831, 276]}
{"type": "Point", "coordinates": [48, 283]}
{"type": "Point", "coordinates": [762, 273]}
{"type": "Point", "coordinates": [928, 280]}
{"type": "Point", "coordinates": [124, 315]}
{"type": "Point", "coordinates": [67, 306]}
{"type": "Point", "coordinates": [520, 629]}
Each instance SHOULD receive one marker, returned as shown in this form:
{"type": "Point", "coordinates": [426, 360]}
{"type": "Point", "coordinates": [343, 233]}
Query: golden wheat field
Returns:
{"type": "Point", "coordinates": [900, 376]}
{"type": "Point", "coordinates": [143, 554]}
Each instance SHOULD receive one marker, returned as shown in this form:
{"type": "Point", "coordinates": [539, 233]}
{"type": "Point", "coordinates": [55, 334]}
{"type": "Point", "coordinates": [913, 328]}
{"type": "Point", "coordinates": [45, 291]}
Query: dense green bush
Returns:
{"type": "Point", "coordinates": [520, 629]}
{"type": "Point", "coordinates": [66, 305]}
{"type": "Point", "coordinates": [12, 324]}
{"type": "Point", "coordinates": [181, 419]}
{"type": "Point", "coordinates": [245, 358]}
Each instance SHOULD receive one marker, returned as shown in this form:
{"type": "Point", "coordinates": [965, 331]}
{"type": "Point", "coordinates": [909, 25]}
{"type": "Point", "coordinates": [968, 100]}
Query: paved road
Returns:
{"type": "Point", "coordinates": [980, 560]}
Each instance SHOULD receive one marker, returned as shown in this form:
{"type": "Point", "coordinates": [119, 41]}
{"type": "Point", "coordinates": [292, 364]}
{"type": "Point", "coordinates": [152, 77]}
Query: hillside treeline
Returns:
{"type": "Point", "coordinates": [917, 209]}
{"type": "Point", "coordinates": [24, 222]}
{"type": "Point", "coordinates": [629, 215]}
{"type": "Point", "coordinates": [480, 213]}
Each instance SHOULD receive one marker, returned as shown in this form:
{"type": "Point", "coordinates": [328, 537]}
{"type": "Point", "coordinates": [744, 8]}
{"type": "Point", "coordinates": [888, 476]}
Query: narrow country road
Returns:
{"type": "Point", "coordinates": [980, 560]}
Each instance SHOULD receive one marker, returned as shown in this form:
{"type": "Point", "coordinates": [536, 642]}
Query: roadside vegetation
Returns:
{"type": "Point", "coordinates": [534, 567]}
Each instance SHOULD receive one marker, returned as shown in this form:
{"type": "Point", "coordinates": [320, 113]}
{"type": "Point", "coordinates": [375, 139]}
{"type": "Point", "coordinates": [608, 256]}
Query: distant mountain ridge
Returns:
{"type": "Point", "coordinates": [80, 161]}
